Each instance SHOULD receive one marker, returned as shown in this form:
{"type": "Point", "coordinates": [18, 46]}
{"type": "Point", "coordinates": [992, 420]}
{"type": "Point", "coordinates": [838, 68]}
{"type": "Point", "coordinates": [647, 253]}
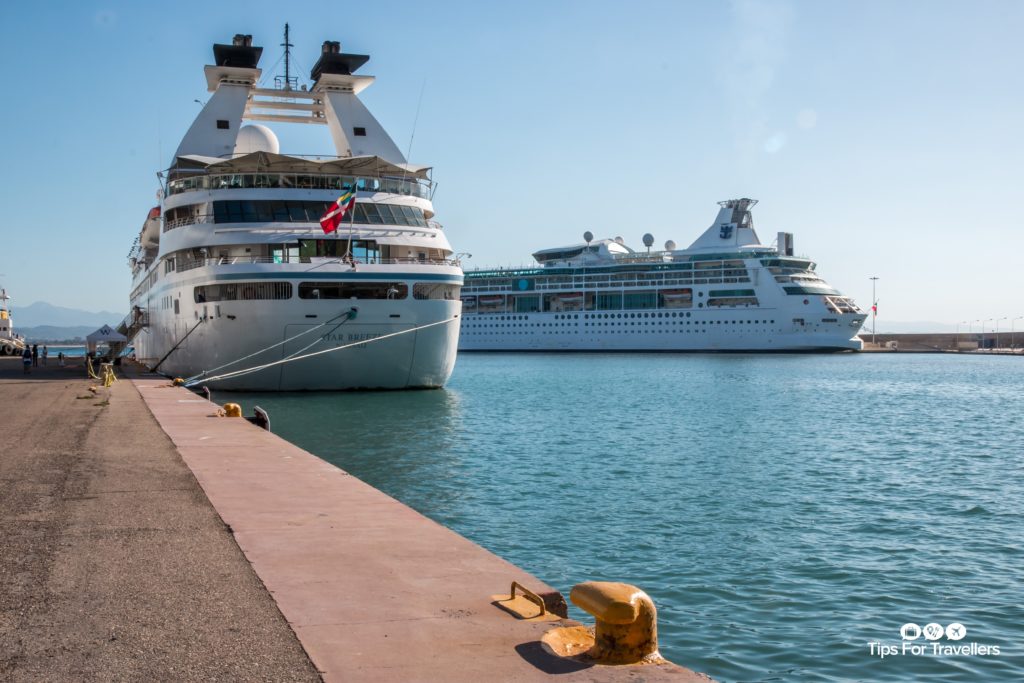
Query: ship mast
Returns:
{"type": "Point", "coordinates": [289, 82]}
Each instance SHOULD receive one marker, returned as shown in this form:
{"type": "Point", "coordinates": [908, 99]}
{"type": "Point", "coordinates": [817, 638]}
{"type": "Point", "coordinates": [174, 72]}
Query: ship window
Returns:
{"type": "Point", "coordinates": [353, 290]}
{"type": "Point", "coordinates": [431, 290]}
{"type": "Point", "coordinates": [310, 212]}
{"type": "Point", "coordinates": [222, 124]}
{"type": "Point", "coordinates": [636, 300]}
{"type": "Point", "coordinates": [241, 290]}
{"type": "Point", "coordinates": [359, 130]}
{"type": "Point", "coordinates": [364, 251]}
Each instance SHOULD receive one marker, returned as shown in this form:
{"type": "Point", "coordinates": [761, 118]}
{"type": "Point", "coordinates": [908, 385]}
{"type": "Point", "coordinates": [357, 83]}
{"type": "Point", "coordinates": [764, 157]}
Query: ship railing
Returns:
{"type": "Point", "coordinates": [314, 261]}
{"type": "Point", "coordinates": [133, 323]}
{"type": "Point", "coordinates": [200, 218]}
{"type": "Point", "coordinates": [187, 220]}
{"type": "Point", "coordinates": [413, 187]}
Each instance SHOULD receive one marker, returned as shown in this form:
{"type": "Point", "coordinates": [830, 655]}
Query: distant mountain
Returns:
{"type": "Point", "coordinates": [48, 333]}
{"type": "Point", "coordinates": [42, 313]}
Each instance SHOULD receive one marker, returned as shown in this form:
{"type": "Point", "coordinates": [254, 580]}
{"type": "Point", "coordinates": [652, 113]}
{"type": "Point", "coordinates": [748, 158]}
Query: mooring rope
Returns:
{"type": "Point", "coordinates": [257, 368]}
{"type": "Point", "coordinates": [346, 314]}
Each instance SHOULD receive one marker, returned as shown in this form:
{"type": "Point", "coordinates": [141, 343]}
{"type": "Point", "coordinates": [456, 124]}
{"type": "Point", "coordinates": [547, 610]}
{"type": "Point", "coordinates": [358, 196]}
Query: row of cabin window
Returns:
{"type": "Point", "coordinates": [250, 291]}
{"type": "Point", "coordinates": [288, 211]}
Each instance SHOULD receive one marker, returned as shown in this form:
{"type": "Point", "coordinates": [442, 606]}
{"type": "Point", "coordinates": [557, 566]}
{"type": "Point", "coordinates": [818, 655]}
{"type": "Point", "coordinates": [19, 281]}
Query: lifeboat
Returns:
{"type": "Point", "coordinates": [492, 300]}
{"type": "Point", "coordinates": [677, 294]}
{"type": "Point", "coordinates": [570, 297]}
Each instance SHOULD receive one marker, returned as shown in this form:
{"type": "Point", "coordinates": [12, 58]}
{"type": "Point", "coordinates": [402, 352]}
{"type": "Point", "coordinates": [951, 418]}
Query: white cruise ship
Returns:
{"type": "Point", "coordinates": [725, 292]}
{"type": "Point", "coordinates": [235, 283]}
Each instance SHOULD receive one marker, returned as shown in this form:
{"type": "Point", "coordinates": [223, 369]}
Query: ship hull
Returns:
{"type": "Point", "coordinates": [325, 346]}
{"type": "Point", "coordinates": [657, 331]}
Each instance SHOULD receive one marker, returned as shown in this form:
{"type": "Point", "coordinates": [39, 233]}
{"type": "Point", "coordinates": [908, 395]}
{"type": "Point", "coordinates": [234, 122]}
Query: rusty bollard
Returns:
{"type": "Point", "coordinates": [627, 622]}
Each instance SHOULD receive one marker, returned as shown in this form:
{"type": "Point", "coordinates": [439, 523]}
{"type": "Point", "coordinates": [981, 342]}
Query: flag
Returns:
{"type": "Point", "coordinates": [336, 211]}
{"type": "Point", "coordinates": [874, 308]}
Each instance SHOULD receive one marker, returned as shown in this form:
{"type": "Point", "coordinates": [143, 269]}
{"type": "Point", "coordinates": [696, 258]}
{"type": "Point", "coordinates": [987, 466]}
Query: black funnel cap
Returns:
{"type": "Point", "coordinates": [334, 61]}
{"type": "Point", "coordinates": [240, 53]}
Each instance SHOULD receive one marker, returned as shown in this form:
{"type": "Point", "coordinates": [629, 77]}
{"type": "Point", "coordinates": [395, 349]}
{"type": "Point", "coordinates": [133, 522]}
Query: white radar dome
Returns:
{"type": "Point", "coordinates": [256, 138]}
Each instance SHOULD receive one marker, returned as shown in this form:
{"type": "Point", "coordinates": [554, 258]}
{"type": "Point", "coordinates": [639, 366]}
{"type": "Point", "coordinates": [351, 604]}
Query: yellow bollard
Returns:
{"type": "Point", "coordinates": [627, 622]}
{"type": "Point", "coordinates": [232, 410]}
{"type": "Point", "coordinates": [177, 382]}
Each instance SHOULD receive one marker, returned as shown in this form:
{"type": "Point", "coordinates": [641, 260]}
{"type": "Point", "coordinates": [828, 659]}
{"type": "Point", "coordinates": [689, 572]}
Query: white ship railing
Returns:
{"type": "Point", "coordinates": [315, 261]}
{"type": "Point", "coordinates": [413, 187]}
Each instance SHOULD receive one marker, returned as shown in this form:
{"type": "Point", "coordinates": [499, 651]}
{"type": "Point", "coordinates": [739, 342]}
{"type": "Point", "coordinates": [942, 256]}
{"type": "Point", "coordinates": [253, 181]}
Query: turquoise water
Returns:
{"type": "Point", "coordinates": [782, 510]}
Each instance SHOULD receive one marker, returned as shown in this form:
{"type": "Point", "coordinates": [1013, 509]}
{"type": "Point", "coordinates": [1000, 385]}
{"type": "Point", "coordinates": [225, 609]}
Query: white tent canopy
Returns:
{"type": "Point", "coordinates": [105, 334]}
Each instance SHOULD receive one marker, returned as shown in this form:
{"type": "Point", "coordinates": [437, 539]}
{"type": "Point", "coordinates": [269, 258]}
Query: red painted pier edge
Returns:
{"type": "Point", "coordinates": [374, 590]}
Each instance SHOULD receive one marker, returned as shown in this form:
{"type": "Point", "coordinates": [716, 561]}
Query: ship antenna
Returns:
{"type": "Point", "coordinates": [287, 45]}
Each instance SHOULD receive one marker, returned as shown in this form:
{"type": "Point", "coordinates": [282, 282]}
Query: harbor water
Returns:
{"type": "Point", "coordinates": [787, 513]}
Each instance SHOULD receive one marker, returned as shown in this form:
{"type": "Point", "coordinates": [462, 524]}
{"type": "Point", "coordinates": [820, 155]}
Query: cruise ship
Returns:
{"type": "Point", "coordinates": [236, 285]}
{"type": "Point", "coordinates": [725, 292]}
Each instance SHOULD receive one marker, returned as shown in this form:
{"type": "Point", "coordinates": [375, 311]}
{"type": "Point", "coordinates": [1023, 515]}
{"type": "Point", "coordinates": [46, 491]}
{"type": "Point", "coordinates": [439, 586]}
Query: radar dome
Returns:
{"type": "Point", "coordinates": [256, 138]}
{"type": "Point", "coordinates": [670, 245]}
{"type": "Point", "coordinates": [648, 240]}
{"type": "Point", "coordinates": [621, 241]}
{"type": "Point", "coordinates": [588, 237]}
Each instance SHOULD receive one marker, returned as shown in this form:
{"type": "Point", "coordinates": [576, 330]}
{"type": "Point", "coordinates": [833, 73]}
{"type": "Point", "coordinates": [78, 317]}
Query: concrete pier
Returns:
{"type": "Point", "coordinates": [140, 575]}
{"type": "Point", "coordinates": [113, 564]}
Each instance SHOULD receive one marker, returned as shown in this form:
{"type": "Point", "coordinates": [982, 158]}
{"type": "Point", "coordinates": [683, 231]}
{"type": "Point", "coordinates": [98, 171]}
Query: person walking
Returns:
{"type": "Point", "coordinates": [60, 358]}
{"type": "Point", "coordinates": [35, 355]}
{"type": "Point", "coordinates": [46, 352]}
{"type": "Point", "coordinates": [26, 361]}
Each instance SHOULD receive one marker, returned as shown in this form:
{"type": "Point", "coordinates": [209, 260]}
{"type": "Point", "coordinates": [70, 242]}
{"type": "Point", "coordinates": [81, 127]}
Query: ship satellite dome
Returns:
{"type": "Point", "coordinates": [256, 138]}
{"type": "Point", "coordinates": [648, 240]}
{"type": "Point", "coordinates": [588, 237]}
{"type": "Point", "coordinates": [670, 245]}
{"type": "Point", "coordinates": [619, 240]}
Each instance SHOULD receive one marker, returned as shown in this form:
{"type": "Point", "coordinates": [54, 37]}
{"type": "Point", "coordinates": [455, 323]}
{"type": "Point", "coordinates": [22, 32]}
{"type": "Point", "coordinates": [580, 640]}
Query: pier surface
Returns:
{"type": "Point", "coordinates": [119, 567]}
{"type": "Point", "coordinates": [113, 564]}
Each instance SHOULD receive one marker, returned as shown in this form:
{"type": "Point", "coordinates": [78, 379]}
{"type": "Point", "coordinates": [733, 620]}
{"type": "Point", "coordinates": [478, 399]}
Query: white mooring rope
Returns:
{"type": "Point", "coordinates": [257, 368]}
{"type": "Point", "coordinates": [189, 380]}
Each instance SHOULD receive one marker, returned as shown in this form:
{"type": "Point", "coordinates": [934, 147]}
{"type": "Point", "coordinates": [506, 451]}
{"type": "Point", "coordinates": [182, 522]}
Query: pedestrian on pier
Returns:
{"type": "Point", "coordinates": [26, 361]}
{"type": "Point", "coordinates": [46, 352]}
{"type": "Point", "coordinates": [60, 358]}
{"type": "Point", "coordinates": [35, 355]}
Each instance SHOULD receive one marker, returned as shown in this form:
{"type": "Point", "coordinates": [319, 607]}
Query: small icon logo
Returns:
{"type": "Point", "coordinates": [956, 631]}
{"type": "Point", "coordinates": [933, 631]}
{"type": "Point", "coordinates": [910, 631]}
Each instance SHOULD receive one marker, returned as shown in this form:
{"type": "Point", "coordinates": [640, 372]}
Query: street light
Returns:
{"type": "Point", "coordinates": [996, 344]}
{"type": "Point", "coordinates": [983, 331]}
{"type": "Point", "coordinates": [874, 308]}
{"type": "Point", "coordinates": [1012, 345]}
{"type": "Point", "coordinates": [962, 322]}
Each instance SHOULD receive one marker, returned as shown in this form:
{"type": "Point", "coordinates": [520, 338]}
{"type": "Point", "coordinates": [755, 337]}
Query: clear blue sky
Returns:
{"type": "Point", "coordinates": [886, 135]}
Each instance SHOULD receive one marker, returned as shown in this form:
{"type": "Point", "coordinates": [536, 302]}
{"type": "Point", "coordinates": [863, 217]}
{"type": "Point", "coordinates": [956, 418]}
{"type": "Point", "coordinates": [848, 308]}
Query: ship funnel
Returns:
{"type": "Point", "coordinates": [334, 61]}
{"type": "Point", "coordinates": [240, 53]}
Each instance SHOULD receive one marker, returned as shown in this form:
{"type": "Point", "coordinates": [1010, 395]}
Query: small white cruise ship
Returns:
{"type": "Point", "coordinates": [236, 284]}
{"type": "Point", "coordinates": [725, 292]}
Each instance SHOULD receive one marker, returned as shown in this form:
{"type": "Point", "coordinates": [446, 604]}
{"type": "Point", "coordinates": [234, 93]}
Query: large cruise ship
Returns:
{"type": "Point", "coordinates": [725, 292]}
{"type": "Point", "coordinates": [235, 282]}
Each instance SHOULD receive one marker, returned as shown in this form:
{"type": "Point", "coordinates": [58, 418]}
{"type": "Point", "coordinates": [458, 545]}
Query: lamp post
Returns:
{"type": "Point", "coordinates": [983, 330]}
{"type": "Point", "coordinates": [962, 322]}
{"type": "Point", "coordinates": [996, 344]}
{"type": "Point", "coordinates": [1012, 345]}
{"type": "Point", "coordinates": [874, 308]}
